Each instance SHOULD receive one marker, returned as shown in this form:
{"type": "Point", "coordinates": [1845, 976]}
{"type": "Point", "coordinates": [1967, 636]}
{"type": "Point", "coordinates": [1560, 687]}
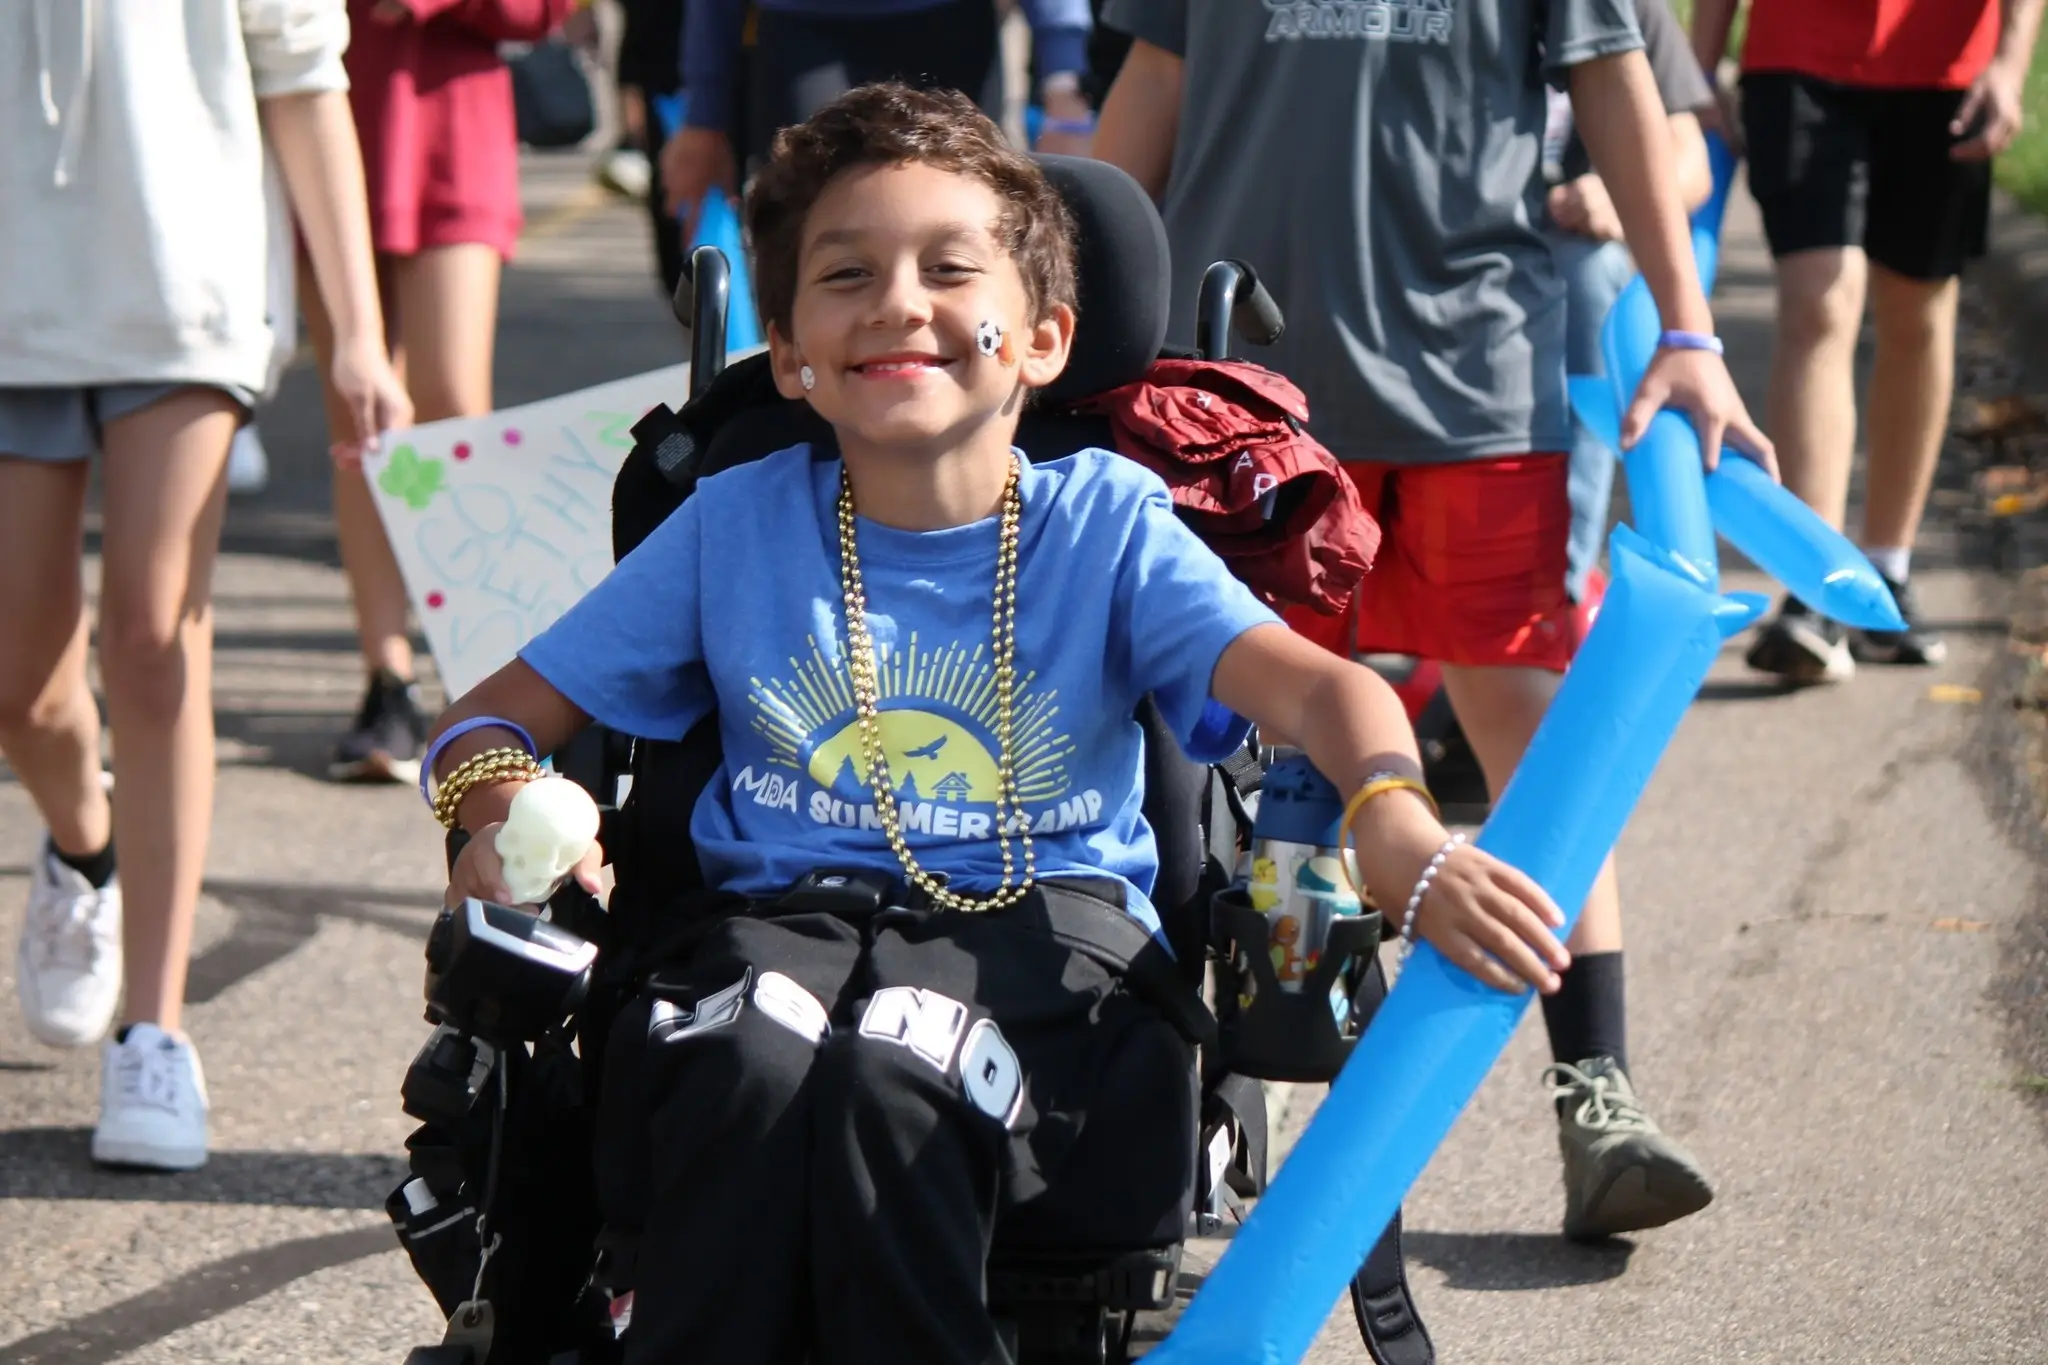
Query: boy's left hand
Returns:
{"type": "Point", "coordinates": [372, 396]}
{"type": "Point", "coordinates": [1698, 383]}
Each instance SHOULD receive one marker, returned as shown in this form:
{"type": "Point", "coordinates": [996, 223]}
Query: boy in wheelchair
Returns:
{"type": "Point", "coordinates": [883, 1034]}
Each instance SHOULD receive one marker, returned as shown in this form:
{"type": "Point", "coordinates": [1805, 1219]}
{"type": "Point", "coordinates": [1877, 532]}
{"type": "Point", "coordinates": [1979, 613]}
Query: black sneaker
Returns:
{"type": "Point", "coordinates": [1802, 647]}
{"type": "Point", "coordinates": [1914, 645]}
{"type": "Point", "coordinates": [389, 732]}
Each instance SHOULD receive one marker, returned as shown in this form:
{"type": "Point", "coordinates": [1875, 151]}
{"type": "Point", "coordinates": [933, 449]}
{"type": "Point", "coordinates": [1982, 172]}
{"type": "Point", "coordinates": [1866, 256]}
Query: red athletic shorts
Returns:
{"type": "Point", "coordinates": [1471, 569]}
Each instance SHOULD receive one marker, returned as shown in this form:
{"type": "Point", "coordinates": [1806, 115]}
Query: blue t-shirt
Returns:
{"type": "Point", "coordinates": [735, 603]}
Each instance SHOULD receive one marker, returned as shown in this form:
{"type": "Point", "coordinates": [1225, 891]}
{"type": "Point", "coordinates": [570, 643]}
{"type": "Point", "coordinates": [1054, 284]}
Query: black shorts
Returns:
{"type": "Point", "coordinates": [1841, 166]}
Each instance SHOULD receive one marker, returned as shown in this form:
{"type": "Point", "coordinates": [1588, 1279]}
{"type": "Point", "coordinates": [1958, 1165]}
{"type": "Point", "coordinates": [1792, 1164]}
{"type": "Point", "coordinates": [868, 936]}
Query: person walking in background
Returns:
{"type": "Point", "coordinates": [1586, 240]}
{"type": "Point", "coordinates": [433, 106]}
{"type": "Point", "coordinates": [808, 52]}
{"type": "Point", "coordinates": [650, 70]}
{"type": "Point", "coordinates": [134, 326]}
{"type": "Point", "coordinates": [1870, 126]}
{"type": "Point", "coordinates": [1426, 326]}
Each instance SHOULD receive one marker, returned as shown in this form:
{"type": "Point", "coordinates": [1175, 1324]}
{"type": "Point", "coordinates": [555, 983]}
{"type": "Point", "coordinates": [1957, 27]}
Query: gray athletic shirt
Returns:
{"type": "Point", "coordinates": [1378, 162]}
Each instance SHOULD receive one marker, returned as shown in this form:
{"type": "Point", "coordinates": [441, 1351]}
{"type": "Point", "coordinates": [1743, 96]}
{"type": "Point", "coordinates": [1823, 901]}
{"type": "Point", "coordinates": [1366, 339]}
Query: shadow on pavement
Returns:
{"type": "Point", "coordinates": [1515, 1260]}
{"type": "Point", "coordinates": [56, 1163]}
{"type": "Point", "coordinates": [207, 1292]}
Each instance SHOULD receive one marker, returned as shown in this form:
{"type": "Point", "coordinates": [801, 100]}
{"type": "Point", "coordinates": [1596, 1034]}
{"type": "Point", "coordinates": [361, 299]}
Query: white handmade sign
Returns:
{"type": "Point", "coordinates": [500, 523]}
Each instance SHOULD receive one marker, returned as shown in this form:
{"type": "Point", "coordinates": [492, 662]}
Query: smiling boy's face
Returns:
{"type": "Point", "coordinates": [899, 269]}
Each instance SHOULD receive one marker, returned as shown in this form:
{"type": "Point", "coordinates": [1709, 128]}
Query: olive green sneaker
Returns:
{"type": "Point", "coordinates": [1621, 1174]}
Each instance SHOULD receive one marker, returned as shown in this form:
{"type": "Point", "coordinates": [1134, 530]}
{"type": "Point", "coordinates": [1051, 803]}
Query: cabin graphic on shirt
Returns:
{"type": "Point", "coordinates": [938, 721]}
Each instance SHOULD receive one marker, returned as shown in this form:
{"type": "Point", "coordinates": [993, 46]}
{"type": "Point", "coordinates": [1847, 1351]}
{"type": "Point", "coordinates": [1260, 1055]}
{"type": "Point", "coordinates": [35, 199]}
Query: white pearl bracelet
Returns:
{"type": "Point", "coordinates": [1421, 888]}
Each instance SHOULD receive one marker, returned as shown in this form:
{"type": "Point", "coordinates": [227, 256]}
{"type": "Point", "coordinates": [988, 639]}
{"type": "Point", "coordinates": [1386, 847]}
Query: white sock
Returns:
{"type": "Point", "coordinates": [1893, 561]}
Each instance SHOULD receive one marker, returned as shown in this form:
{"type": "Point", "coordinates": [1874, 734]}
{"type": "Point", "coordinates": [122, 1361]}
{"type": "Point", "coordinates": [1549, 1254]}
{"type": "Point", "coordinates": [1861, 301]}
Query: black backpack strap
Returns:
{"type": "Point", "coordinates": [1095, 927]}
{"type": "Point", "coordinates": [1385, 1308]}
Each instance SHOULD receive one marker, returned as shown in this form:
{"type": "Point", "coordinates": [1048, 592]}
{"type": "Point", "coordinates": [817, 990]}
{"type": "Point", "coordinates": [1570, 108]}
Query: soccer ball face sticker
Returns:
{"type": "Point", "coordinates": [989, 337]}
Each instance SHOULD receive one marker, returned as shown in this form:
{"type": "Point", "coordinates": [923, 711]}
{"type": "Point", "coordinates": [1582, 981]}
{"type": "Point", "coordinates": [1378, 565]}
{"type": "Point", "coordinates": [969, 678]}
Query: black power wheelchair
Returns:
{"type": "Point", "coordinates": [499, 1212]}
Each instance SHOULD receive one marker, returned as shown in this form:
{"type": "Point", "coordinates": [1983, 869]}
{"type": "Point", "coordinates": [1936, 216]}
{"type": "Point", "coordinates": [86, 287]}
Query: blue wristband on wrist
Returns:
{"type": "Point", "coordinates": [456, 732]}
{"type": "Point", "coordinates": [1688, 341]}
{"type": "Point", "coordinates": [1080, 127]}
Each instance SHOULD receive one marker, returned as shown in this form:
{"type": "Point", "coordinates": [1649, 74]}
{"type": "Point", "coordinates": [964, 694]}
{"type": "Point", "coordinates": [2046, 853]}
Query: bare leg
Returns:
{"type": "Point", "coordinates": [448, 316]}
{"type": "Point", "coordinates": [49, 723]}
{"type": "Point", "coordinates": [376, 589]}
{"type": "Point", "coordinates": [166, 491]}
{"type": "Point", "coordinates": [1499, 710]}
{"type": "Point", "coordinates": [1812, 401]}
{"type": "Point", "coordinates": [1621, 1173]}
{"type": "Point", "coordinates": [1911, 386]}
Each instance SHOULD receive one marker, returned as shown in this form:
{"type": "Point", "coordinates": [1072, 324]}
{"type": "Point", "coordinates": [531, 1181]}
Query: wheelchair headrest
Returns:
{"type": "Point", "coordinates": [1124, 274]}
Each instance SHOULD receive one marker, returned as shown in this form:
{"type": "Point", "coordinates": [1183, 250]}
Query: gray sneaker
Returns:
{"type": "Point", "coordinates": [1621, 1174]}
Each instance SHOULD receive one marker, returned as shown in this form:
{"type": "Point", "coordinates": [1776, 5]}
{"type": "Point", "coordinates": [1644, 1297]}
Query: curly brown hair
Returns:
{"type": "Point", "coordinates": [890, 124]}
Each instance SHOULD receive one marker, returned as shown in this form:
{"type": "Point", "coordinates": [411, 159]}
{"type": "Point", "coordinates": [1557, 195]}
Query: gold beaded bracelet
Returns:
{"type": "Point", "coordinates": [492, 765]}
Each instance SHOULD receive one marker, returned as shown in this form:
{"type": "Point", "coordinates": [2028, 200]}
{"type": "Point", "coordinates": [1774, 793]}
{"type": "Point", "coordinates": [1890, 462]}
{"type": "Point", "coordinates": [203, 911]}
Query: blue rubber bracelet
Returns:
{"type": "Point", "coordinates": [1689, 341]}
{"type": "Point", "coordinates": [454, 733]}
{"type": "Point", "coordinates": [1077, 126]}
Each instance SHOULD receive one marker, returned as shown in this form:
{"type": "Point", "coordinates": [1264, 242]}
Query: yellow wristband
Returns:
{"type": "Point", "coordinates": [1379, 784]}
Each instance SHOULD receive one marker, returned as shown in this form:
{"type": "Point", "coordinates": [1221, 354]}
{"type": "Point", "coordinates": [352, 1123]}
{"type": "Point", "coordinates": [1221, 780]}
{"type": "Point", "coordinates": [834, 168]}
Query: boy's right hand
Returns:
{"type": "Point", "coordinates": [1494, 921]}
{"type": "Point", "coordinates": [480, 872]}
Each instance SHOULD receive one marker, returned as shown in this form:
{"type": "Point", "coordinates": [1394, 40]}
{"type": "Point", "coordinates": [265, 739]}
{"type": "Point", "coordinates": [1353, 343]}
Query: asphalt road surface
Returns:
{"type": "Point", "coordinates": [1829, 896]}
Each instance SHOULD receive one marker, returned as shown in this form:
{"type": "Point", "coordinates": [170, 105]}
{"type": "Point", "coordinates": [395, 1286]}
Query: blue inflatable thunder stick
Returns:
{"type": "Point", "coordinates": [1675, 503]}
{"type": "Point", "coordinates": [1440, 1030]}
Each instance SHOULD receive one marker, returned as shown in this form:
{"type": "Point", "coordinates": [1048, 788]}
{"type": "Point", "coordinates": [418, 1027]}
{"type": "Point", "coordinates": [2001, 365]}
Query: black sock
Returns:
{"type": "Point", "coordinates": [1588, 1017]}
{"type": "Point", "coordinates": [97, 868]}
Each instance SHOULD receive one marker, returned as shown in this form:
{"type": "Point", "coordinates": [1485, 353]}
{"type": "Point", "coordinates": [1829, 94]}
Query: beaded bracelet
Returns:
{"type": "Point", "coordinates": [457, 731]}
{"type": "Point", "coordinates": [1421, 888]}
{"type": "Point", "coordinates": [492, 765]}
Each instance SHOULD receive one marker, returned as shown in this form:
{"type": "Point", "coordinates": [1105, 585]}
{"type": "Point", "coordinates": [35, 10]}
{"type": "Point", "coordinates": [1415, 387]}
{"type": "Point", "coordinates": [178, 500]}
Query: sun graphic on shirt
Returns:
{"type": "Point", "coordinates": [938, 726]}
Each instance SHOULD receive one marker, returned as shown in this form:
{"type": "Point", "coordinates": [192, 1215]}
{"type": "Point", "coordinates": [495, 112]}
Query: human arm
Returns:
{"type": "Point", "coordinates": [506, 21]}
{"type": "Point", "coordinates": [1712, 23]}
{"type": "Point", "coordinates": [628, 654]}
{"type": "Point", "coordinates": [1615, 104]}
{"type": "Point", "coordinates": [1582, 204]}
{"type": "Point", "coordinates": [1480, 913]}
{"type": "Point", "coordinates": [295, 49]}
{"type": "Point", "coordinates": [1059, 40]}
{"type": "Point", "coordinates": [1994, 108]}
{"type": "Point", "coordinates": [1141, 117]}
{"type": "Point", "coordinates": [699, 156]}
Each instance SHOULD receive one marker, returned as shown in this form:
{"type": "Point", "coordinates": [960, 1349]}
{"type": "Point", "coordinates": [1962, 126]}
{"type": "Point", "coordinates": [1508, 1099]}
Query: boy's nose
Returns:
{"type": "Point", "coordinates": [903, 298]}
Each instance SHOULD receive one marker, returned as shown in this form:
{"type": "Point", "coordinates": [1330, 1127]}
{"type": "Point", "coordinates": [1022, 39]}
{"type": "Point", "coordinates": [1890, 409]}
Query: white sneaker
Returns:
{"type": "Point", "coordinates": [248, 464]}
{"type": "Point", "coordinates": [68, 968]}
{"type": "Point", "coordinates": [152, 1103]}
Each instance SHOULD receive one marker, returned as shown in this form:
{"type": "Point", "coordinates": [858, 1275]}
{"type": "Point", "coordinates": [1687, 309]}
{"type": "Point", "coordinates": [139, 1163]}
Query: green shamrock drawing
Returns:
{"type": "Point", "coordinates": [409, 477]}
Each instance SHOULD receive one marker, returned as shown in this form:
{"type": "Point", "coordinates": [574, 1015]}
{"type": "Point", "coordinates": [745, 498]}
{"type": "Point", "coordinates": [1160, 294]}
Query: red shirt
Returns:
{"type": "Point", "coordinates": [433, 107]}
{"type": "Point", "coordinates": [1930, 44]}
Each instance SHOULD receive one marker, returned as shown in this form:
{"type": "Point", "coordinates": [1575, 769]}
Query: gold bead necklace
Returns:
{"type": "Point", "coordinates": [867, 693]}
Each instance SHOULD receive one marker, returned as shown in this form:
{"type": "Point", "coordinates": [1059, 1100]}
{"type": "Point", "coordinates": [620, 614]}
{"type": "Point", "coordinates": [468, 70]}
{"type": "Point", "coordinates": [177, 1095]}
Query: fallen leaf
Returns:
{"type": "Point", "coordinates": [1954, 694]}
{"type": "Point", "coordinates": [1961, 926]}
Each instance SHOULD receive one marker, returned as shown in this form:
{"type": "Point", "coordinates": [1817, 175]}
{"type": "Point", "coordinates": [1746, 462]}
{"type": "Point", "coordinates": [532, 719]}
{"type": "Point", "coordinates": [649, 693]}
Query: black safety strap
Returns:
{"type": "Point", "coordinates": [1091, 925]}
{"type": "Point", "coordinates": [1385, 1308]}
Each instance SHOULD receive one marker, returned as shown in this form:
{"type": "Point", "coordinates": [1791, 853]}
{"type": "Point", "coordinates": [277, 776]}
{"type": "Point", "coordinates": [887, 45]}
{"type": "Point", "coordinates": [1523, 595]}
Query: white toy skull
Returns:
{"type": "Point", "coordinates": [551, 825]}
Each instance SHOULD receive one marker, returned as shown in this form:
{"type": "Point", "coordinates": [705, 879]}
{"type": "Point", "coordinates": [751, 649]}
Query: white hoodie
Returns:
{"type": "Point", "coordinates": [137, 241]}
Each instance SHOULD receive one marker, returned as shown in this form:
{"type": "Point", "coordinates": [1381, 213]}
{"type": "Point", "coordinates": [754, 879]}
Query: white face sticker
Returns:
{"type": "Point", "coordinates": [989, 336]}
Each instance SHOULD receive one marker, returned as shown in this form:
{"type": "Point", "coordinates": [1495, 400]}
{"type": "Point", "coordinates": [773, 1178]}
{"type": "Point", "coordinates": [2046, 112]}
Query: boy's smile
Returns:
{"type": "Point", "coordinates": [900, 269]}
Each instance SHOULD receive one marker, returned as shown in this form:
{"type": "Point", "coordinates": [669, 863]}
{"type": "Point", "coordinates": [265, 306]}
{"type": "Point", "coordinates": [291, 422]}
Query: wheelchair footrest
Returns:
{"type": "Point", "coordinates": [1118, 1281]}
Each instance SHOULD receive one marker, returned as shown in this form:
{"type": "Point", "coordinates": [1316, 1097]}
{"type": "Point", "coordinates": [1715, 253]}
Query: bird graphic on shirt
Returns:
{"type": "Point", "coordinates": [930, 750]}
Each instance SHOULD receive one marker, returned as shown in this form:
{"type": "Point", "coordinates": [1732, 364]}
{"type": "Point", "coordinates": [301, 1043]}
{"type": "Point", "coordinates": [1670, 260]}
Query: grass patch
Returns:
{"type": "Point", "coordinates": [2023, 170]}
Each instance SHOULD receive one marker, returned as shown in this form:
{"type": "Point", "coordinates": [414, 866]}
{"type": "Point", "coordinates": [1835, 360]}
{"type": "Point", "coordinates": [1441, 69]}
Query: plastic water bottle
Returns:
{"type": "Point", "coordinates": [1298, 868]}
